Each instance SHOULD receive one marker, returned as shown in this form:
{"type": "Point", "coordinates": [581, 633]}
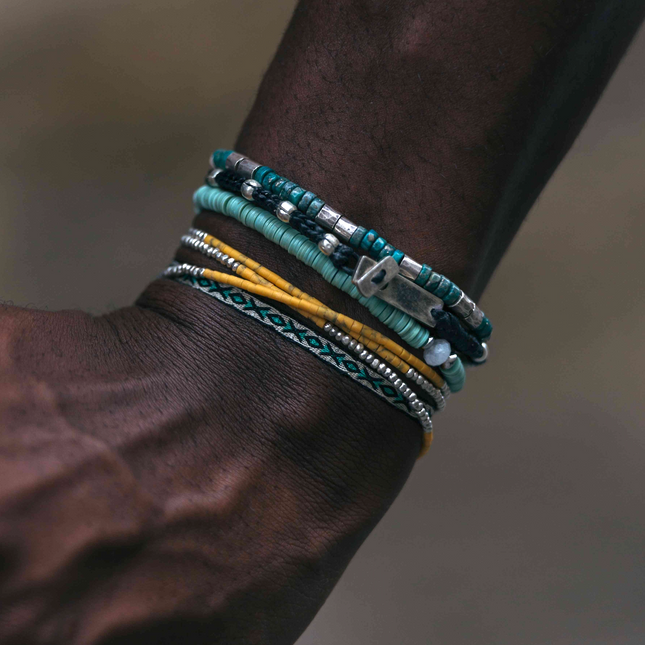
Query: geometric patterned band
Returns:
{"type": "Point", "coordinates": [297, 333]}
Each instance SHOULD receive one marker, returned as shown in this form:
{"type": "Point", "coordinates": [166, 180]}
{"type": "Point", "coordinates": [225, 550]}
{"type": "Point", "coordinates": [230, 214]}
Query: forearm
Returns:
{"type": "Point", "coordinates": [437, 123]}
{"type": "Point", "coordinates": [238, 475]}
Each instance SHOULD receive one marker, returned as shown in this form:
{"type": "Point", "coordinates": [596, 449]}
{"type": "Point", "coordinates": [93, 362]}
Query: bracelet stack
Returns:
{"type": "Point", "coordinates": [425, 309]}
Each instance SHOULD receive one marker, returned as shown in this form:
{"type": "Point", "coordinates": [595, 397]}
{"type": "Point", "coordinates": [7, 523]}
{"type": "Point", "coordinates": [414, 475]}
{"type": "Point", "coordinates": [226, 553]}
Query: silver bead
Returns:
{"type": "Point", "coordinates": [420, 380]}
{"type": "Point", "coordinates": [232, 160]}
{"type": "Point", "coordinates": [410, 373]}
{"type": "Point", "coordinates": [284, 211]}
{"type": "Point", "coordinates": [344, 229]}
{"type": "Point", "coordinates": [450, 362]}
{"type": "Point", "coordinates": [352, 344]}
{"type": "Point", "coordinates": [484, 355]}
{"type": "Point", "coordinates": [248, 187]}
{"type": "Point", "coordinates": [363, 355]}
{"type": "Point", "coordinates": [381, 368]}
{"type": "Point", "coordinates": [409, 268]}
{"type": "Point", "coordinates": [327, 217]}
{"type": "Point", "coordinates": [387, 373]}
{"type": "Point", "coordinates": [369, 358]}
{"type": "Point", "coordinates": [392, 377]}
{"type": "Point", "coordinates": [246, 167]}
{"type": "Point", "coordinates": [375, 363]}
{"type": "Point", "coordinates": [346, 339]}
{"type": "Point", "coordinates": [210, 178]}
{"type": "Point", "coordinates": [339, 336]}
{"type": "Point", "coordinates": [327, 326]}
{"type": "Point", "coordinates": [412, 397]}
{"type": "Point", "coordinates": [328, 244]}
{"type": "Point", "coordinates": [359, 348]}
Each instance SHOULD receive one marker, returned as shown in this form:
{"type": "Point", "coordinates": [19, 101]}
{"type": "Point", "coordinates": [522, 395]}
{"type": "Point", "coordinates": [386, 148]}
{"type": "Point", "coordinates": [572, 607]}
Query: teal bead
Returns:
{"type": "Point", "coordinates": [423, 276]}
{"type": "Point", "coordinates": [329, 271]}
{"type": "Point", "coordinates": [453, 295]}
{"type": "Point", "coordinates": [398, 255]}
{"type": "Point", "coordinates": [305, 200]}
{"type": "Point", "coordinates": [343, 281]}
{"type": "Point", "coordinates": [271, 228]}
{"type": "Point", "coordinates": [277, 185]}
{"type": "Point", "coordinates": [455, 375]}
{"type": "Point", "coordinates": [386, 251]}
{"type": "Point", "coordinates": [296, 195]}
{"type": "Point", "coordinates": [220, 156]}
{"type": "Point", "coordinates": [443, 287]}
{"type": "Point", "coordinates": [379, 306]}
{"type": "Point", "coordinates": [377, 246]}
{"type": "Point", "coordinates": [286, 189]}
{"type": "Point", "coordinates": [261, 173]}
{"type": "Point", "coordinates": [368, 239]}
{"type": "Point", "coordinates": [287, 238]}
{"type": "Point", "coordinates": [315, 206]}
{"type": "Point", "coordinates": [417, 337]}
{"type": "Point", "coordinates": [484, 330]}
{"type": "Point", "coordinates": [357, 237]}
{"type": "Point", "coordinates": [268, 179]}
{"type": "Point", "coordinates": [318, 263]}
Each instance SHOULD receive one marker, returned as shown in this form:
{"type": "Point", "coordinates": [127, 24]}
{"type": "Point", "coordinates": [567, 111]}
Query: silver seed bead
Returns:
{"type": "Point", "coordinates": [328, 244]}
{"type": "Point", "coordinates": [412, 397]}
{"type": "Point", "coordinates": [230, 262]}
{"type": "Point", "coordinates": [346, 339]}
{"type": "Point", "coordinates": [410, 373]}
{"type": "Point", "coordinates": [397, 382]}
{"type": "Point", "coordinates": [327, 327]}
{"type": "Point", "coordinates": [285, 210]}
{"type": "Point", "coordinates": [248, 187]}
{"type": "Point", "coordinates": [352, 344]}
{"type": "Point", "coordinates": [392, 377]}
{"type": "Point", "coordinates": [339, 336]}
{"type": "Point", "coordinates": [420, 380]}
{"type": "Point", "coordinates": [450, 362]}
{"type": "Point", "coordinates": [363, 355]}
{"type": "Point", "coordinates": [387, 372]}
{"type": "Point", "coordinates": [210, 178]}
{"type": "Point", "coordinates": [369, 358]}
{"type": "Point", "coordinates": [484, 355]}
{"type": "Point", "coordinates": [359, 348]}
{"type": "Point", "coordinates": [375, 363]}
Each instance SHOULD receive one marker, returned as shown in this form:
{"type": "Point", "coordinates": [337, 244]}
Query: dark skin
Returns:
{"type": "Point", "coordinates": [173, 472]}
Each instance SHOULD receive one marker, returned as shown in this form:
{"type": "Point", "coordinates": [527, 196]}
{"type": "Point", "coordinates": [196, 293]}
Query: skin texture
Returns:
{"type": "Point", "coordinates": [174, 473]}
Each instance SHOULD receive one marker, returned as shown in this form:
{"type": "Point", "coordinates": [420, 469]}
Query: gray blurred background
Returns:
{"type": "Point", "coordinates": [525, 523]}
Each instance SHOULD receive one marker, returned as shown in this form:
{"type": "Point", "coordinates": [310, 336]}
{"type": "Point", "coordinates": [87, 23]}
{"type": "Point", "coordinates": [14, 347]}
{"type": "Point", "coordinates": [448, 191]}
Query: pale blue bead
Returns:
{"type": "Point", "coordinates": [437, 352]}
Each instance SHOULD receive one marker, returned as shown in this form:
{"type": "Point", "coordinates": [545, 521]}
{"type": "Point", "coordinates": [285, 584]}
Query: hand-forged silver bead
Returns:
{"type": "Point", "coordinates": [484, 355]}
{"type": "Point", "coordinates": [285, 210]}
{"type": "Point", "coordinates": [210, 178]}
{"type": "Point", "coordinates": [248, 187]}
{"type": "Point", "coordinates": [328, 244]}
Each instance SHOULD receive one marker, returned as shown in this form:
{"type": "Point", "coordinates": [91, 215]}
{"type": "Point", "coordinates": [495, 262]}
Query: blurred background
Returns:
{"type": "Point", "coordinates": [525, 523]}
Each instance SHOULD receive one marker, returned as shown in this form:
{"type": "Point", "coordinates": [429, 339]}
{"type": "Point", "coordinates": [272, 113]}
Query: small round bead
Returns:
{"type": "Point", "coordinates": [387, 372]}
{"type": "Point", "coordinates": [346, 339]}
{"type": "Point", "coordinates": [359, 348]}
{"type": "Point", "coordinates": [363, 355]}
{"type": "Point", "coordinates": [284, 211]}
{"type": "Point", "coordinates": [375, 363]}
{"type": "Point", "coordinates": [412, 397]}
{"type": "Point", "coordinates": [328, 244]}
{"type": "Point", "coordinates": [484, 356]}
{"type": "Point", "coordinates": [210, 178]}
{"type": "Point", "coordinates": [248, 187]}
{"type": "Point", "coordinates": [392, 377]}
{"type": "Point", "coordinates": [381, 368]}
{"type": "Point", "coordinates": [436, 352]}
{"type": "Point", "coordinates": [352, 344]}
{"type": "Point", "coordinates": [327, 327]}
{"type": "Point", "coordinates": [450, 362]}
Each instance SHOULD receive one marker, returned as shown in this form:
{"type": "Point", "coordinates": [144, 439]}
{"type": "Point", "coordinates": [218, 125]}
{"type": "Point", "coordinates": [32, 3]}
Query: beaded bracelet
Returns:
{"type": "Point", "coordinates": [388, 389]}
{"type": "Point", "coordinates": [359, 237]}
{"type": "Point", "coordinates": [359, 341]}
{"type": "Point", "coordinates": [447, 328]}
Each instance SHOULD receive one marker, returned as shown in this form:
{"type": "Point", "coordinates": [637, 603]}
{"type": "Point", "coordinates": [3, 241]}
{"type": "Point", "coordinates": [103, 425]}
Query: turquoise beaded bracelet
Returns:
{"type": "Point", "coordinates": [369, 241]}
{"type": "Point", "coordinates": [221, 201]}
